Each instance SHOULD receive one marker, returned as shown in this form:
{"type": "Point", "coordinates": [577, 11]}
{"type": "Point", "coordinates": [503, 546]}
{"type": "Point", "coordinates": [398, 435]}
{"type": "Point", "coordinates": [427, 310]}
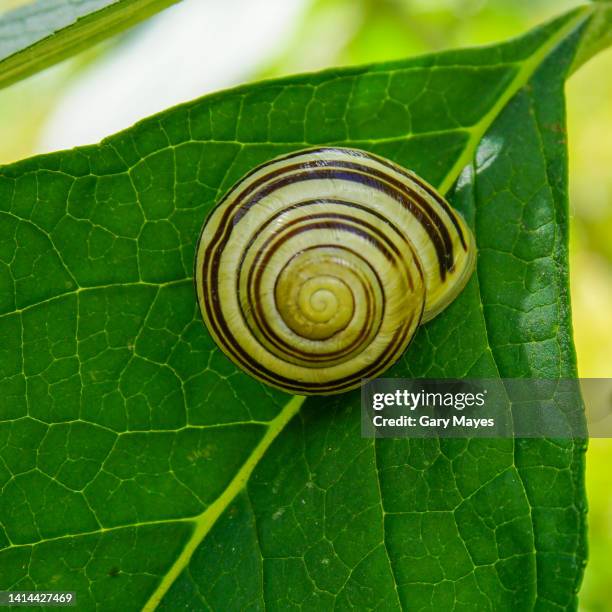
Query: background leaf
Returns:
{"type": "Point", "coordinates": [139, 466]}
{"type": "Point", "coordinates": [44, 32]}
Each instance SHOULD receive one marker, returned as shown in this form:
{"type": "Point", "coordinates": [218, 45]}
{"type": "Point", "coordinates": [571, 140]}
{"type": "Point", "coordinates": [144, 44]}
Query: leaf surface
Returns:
{"type": "Point", "coordinates": [44, 32]}
{"type": "Point", "coordinates": [139, 467]}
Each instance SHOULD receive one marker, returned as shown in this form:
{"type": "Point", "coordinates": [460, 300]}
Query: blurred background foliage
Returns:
{"type": "Point", "coordinates": [203, 45]}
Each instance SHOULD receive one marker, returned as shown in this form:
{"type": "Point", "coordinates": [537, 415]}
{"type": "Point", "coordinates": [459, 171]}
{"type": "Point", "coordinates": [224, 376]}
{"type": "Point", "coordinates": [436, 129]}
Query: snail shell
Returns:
{"type": "Point", "coordinates": [316, 269]}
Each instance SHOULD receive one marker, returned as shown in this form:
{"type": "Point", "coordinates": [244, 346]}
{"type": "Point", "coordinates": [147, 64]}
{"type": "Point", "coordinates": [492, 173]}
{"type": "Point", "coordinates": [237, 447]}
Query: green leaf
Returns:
{"type": "Point", "coordinates": [139, 467]}
{"type": "Point", "coordinates": [44, 32]}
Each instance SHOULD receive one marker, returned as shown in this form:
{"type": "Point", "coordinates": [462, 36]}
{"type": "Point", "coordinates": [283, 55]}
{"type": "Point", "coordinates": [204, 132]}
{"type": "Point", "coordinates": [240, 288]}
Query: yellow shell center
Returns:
{"type": "Point", "coordinates": [316, 308]}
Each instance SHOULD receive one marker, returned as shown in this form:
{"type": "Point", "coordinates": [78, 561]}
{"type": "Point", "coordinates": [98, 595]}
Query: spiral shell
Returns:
{"type": "Point", "coordinates": [316, 269]}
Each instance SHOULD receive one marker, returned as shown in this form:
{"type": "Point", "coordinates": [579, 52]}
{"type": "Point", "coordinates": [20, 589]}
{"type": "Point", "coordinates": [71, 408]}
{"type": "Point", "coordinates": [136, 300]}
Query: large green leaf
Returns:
{"type": "Point", "coordinates": [44, 32]}
{"type": "Point", "coordinates": [138, 466]}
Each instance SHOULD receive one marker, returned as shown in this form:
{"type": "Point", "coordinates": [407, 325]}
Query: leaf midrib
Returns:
{"type": "Point", "coordinates": [205, 521]}
{"type": "Point", "coordinates": [527, 69]}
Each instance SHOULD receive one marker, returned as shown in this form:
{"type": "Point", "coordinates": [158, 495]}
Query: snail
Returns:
{"type": "Point", "coordinates": [315, 270]}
